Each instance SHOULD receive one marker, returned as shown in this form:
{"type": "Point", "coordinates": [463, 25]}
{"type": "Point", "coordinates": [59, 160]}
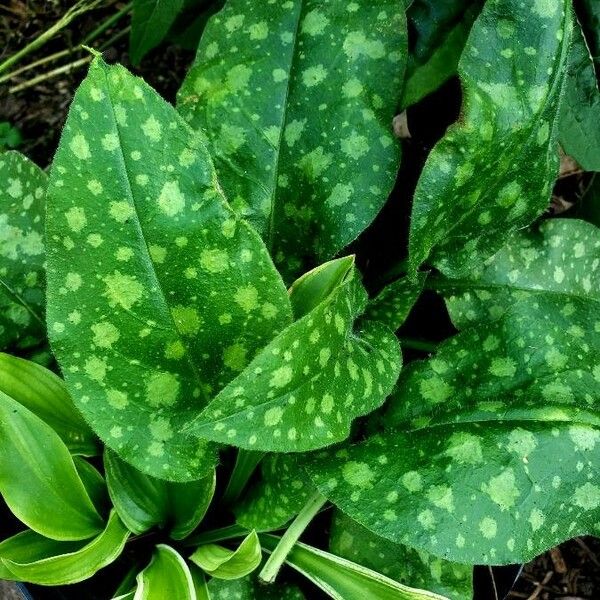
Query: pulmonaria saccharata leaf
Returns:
{"type": "Point", "coordinates": [22, 278]}
{"type": "Point", "coordinates": [499, 436]}
{"type": "Point", "coordinates": [158, 294]}
{"type": "Point", "coordinates": [398, 562]}
{"type": "Point", "coordinates": [557, 258]}
{"type": "Point", "coordinates": [297, 100]}
{"type": "Point", "coordinates": [493, 171]}
{"type": "Point", "coordinates": [303, 390]}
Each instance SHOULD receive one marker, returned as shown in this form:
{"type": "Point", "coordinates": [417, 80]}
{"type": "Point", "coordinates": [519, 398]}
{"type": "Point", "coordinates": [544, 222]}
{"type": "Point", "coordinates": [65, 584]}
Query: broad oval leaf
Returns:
{"type": "Point", "coordinates": [579, 132]}
{"type": "Point", "coordinates": [144, 502]}
{"type": "Point", "coordinates": [38, 479]}
{"type": "Point", "coordinates": [150, 24]}
{"type": "Point", "coordinates": [167, 576]}
{"type": "Point", "coordinates": [151, 276]}
{"type": "Point", "coordinates": [277, 496]}
{"type": "Point", "coordinates": [558, 258]}
{"type": "Point", "coordinates": [354, 542]}
{"type": "Point", "coordinates": [342, 579]}
{"type": "Point", "coordinates": [46, 395]}
{"type": "Point", "coordinates": [499, 438]}
{"type": "Point", "coordinates": [33, 558]}
{"type": "Point", "coordinates": [22, 279]}
{"type": "Point", "coordinates": [297, 100]}
{"type": "Point", "coordinates": [223, 563]}
{"type": "Point", "coordinates": [493, 170]}
{"type": "Point", "coordinates": [310, 382]}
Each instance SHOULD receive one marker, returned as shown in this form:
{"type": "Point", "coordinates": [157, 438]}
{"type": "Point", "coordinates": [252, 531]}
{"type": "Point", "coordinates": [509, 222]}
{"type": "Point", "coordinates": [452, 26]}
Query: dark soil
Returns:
{"type": "Point", "coordinates": [570, 572]}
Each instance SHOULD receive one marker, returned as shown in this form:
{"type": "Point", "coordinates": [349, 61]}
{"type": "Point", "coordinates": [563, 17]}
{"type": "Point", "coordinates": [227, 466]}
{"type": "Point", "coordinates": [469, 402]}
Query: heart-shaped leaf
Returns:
{"type": "Point", "coordinates": [493, 171]}
{"type": "Point", "coordinates": [297, 100]}
{"type": "Point", "coordinates": [400, 563]}
{"type": "Point", "coordinates": [38, 479]}
{"type": "Point", "coordinates": [310, 382]}
{"type": "Point", "coordinates": [33, 558]}
{"type": "Point", "coordinates": [151, 276]}
{"type": "Point", "coordinates": [46, 395]}
{"type": "Point", "coordinates": [498, 435]}
{"type": "Point", "coordinates": [167, 576]}
{"type": "Point", "coordinates": [144, 502]}
{"type": "Point", "coordinates": [22, 279]}
{"type": "Point", "coordinates": [223, 563]}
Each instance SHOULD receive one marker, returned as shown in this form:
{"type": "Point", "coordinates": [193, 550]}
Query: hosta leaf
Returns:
{"type": "Point", "coordinates": [46, 395]}
{"type": "Point", "coordinates": [400, 563]}
{"type": "Point", "coordinates": [559, 258]}
{"type": "Point", "coordinates": [38, 479]}
{"type": "Point", "coordinates": [94, 484]}
{"type": "Point", "coordinates": [150, 24]}
{"type": "Point", "coordinates": [144, 502]}
{"type": "Point", "coordinates": [278, 496]}
{"type": "Point", "coordinates": [474, 188]}
{"type": "Point", "coordinates": [22, 190]}
{"type": "Point", "coordinates": [35, 559]}
{"type": "Point", "coordinates": [222, 563]}
{"type": "Point", "coordinates": [304, 389]}
{"type": "Point", "coordinates": [441, 31]}
{"type": "Point", "coordinates": [167, 576]}
{"type": "Point", "coordinates": [342, 579]}
{"type": "Point", "coordinates": [497, 436]}
{"type": "Point", "coordinates": [579, 131]}
{"type": "Point", "coordinates": [395, 301]}
{"type": "Point", "coordinates": [248, 588]}
{"type": "Point", "coordinates": [297, 100]}
{"type": "Point", "coordinates": [150, 275]}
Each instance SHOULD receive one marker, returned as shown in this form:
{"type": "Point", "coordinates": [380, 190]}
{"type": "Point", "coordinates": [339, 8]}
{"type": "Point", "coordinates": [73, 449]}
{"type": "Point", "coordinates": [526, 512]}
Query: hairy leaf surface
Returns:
{"type": "Point", "coordinates": [310, 382]}
{"type": "Point", "coordinates": [297, 100]}
{"type": "Point", "coordinates": [31, 557]}
{"type": "Point", "coordinates": [38, 479]}
{"type": "Point", "coordinates": [401, 563]}
{"type": "Point", "coordinates": [22, 279]}
{"type": "Point", "coordinates": [498, 435]}
{"type": "Point", "coordinates": [559, 258]}
{"type": "Point", "coordinates": [151, 276]}
{"type": "Point", "coordinates": [472, 191]}
{"type": "Point", "coordinates": [579, 132]}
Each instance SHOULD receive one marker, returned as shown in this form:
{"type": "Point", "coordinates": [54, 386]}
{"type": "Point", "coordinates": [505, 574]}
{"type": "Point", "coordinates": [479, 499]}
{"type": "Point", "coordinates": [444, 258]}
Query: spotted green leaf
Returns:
{"type": "Point", "coordinates": [498, 436]}
{"type": "Point", "coordinates": [248, 588]}
{"type": "Point", "coordinates": [151, 276]}
{"type": "Point", "coordinates": [441, 31]}
{"type": "Point", "coordinates": [297, 100]}
{"type": "Point", "coordinates": [558, 258]}
{"type": "Point", "coordinates": [395, 301]}
{"type": "Point", "coordinates": [222, 563]}
{"type": "Point", "coordinates": [22, 190]}
{"type": "Point", "coordinates": [579, 131]}
{"type": "Point", "coordinates": [150, 24]}
{"type": "Point", "coordinates": [303, 390]}
{"type": "Point", "coordinates": [400, 563]}
{"type": "Point", "coordinates": [342, 579]}
{"type": "Point", "coordinates": [493, 171]}
{"type": "Point", "coordinates": [277, 496]}
{"type": "Point", "coordinates": [144, 502]}
{"type": "Point", "coordinates": [167, 576]}
{"type": "Point", "coordinates": [33, 558]}
{"type": "Point", "coordinates": [38, 479]}
{"type": "Point", "coordinates": [45, 394]}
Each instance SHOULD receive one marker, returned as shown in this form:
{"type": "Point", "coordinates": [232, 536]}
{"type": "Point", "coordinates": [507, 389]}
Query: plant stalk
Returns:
{"type": "Point", "coordinates": [245, 464]}
{"type": "Point", "coordinates": [422, 345]}
{"type": "Point", "coordinates": [290, 537]}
